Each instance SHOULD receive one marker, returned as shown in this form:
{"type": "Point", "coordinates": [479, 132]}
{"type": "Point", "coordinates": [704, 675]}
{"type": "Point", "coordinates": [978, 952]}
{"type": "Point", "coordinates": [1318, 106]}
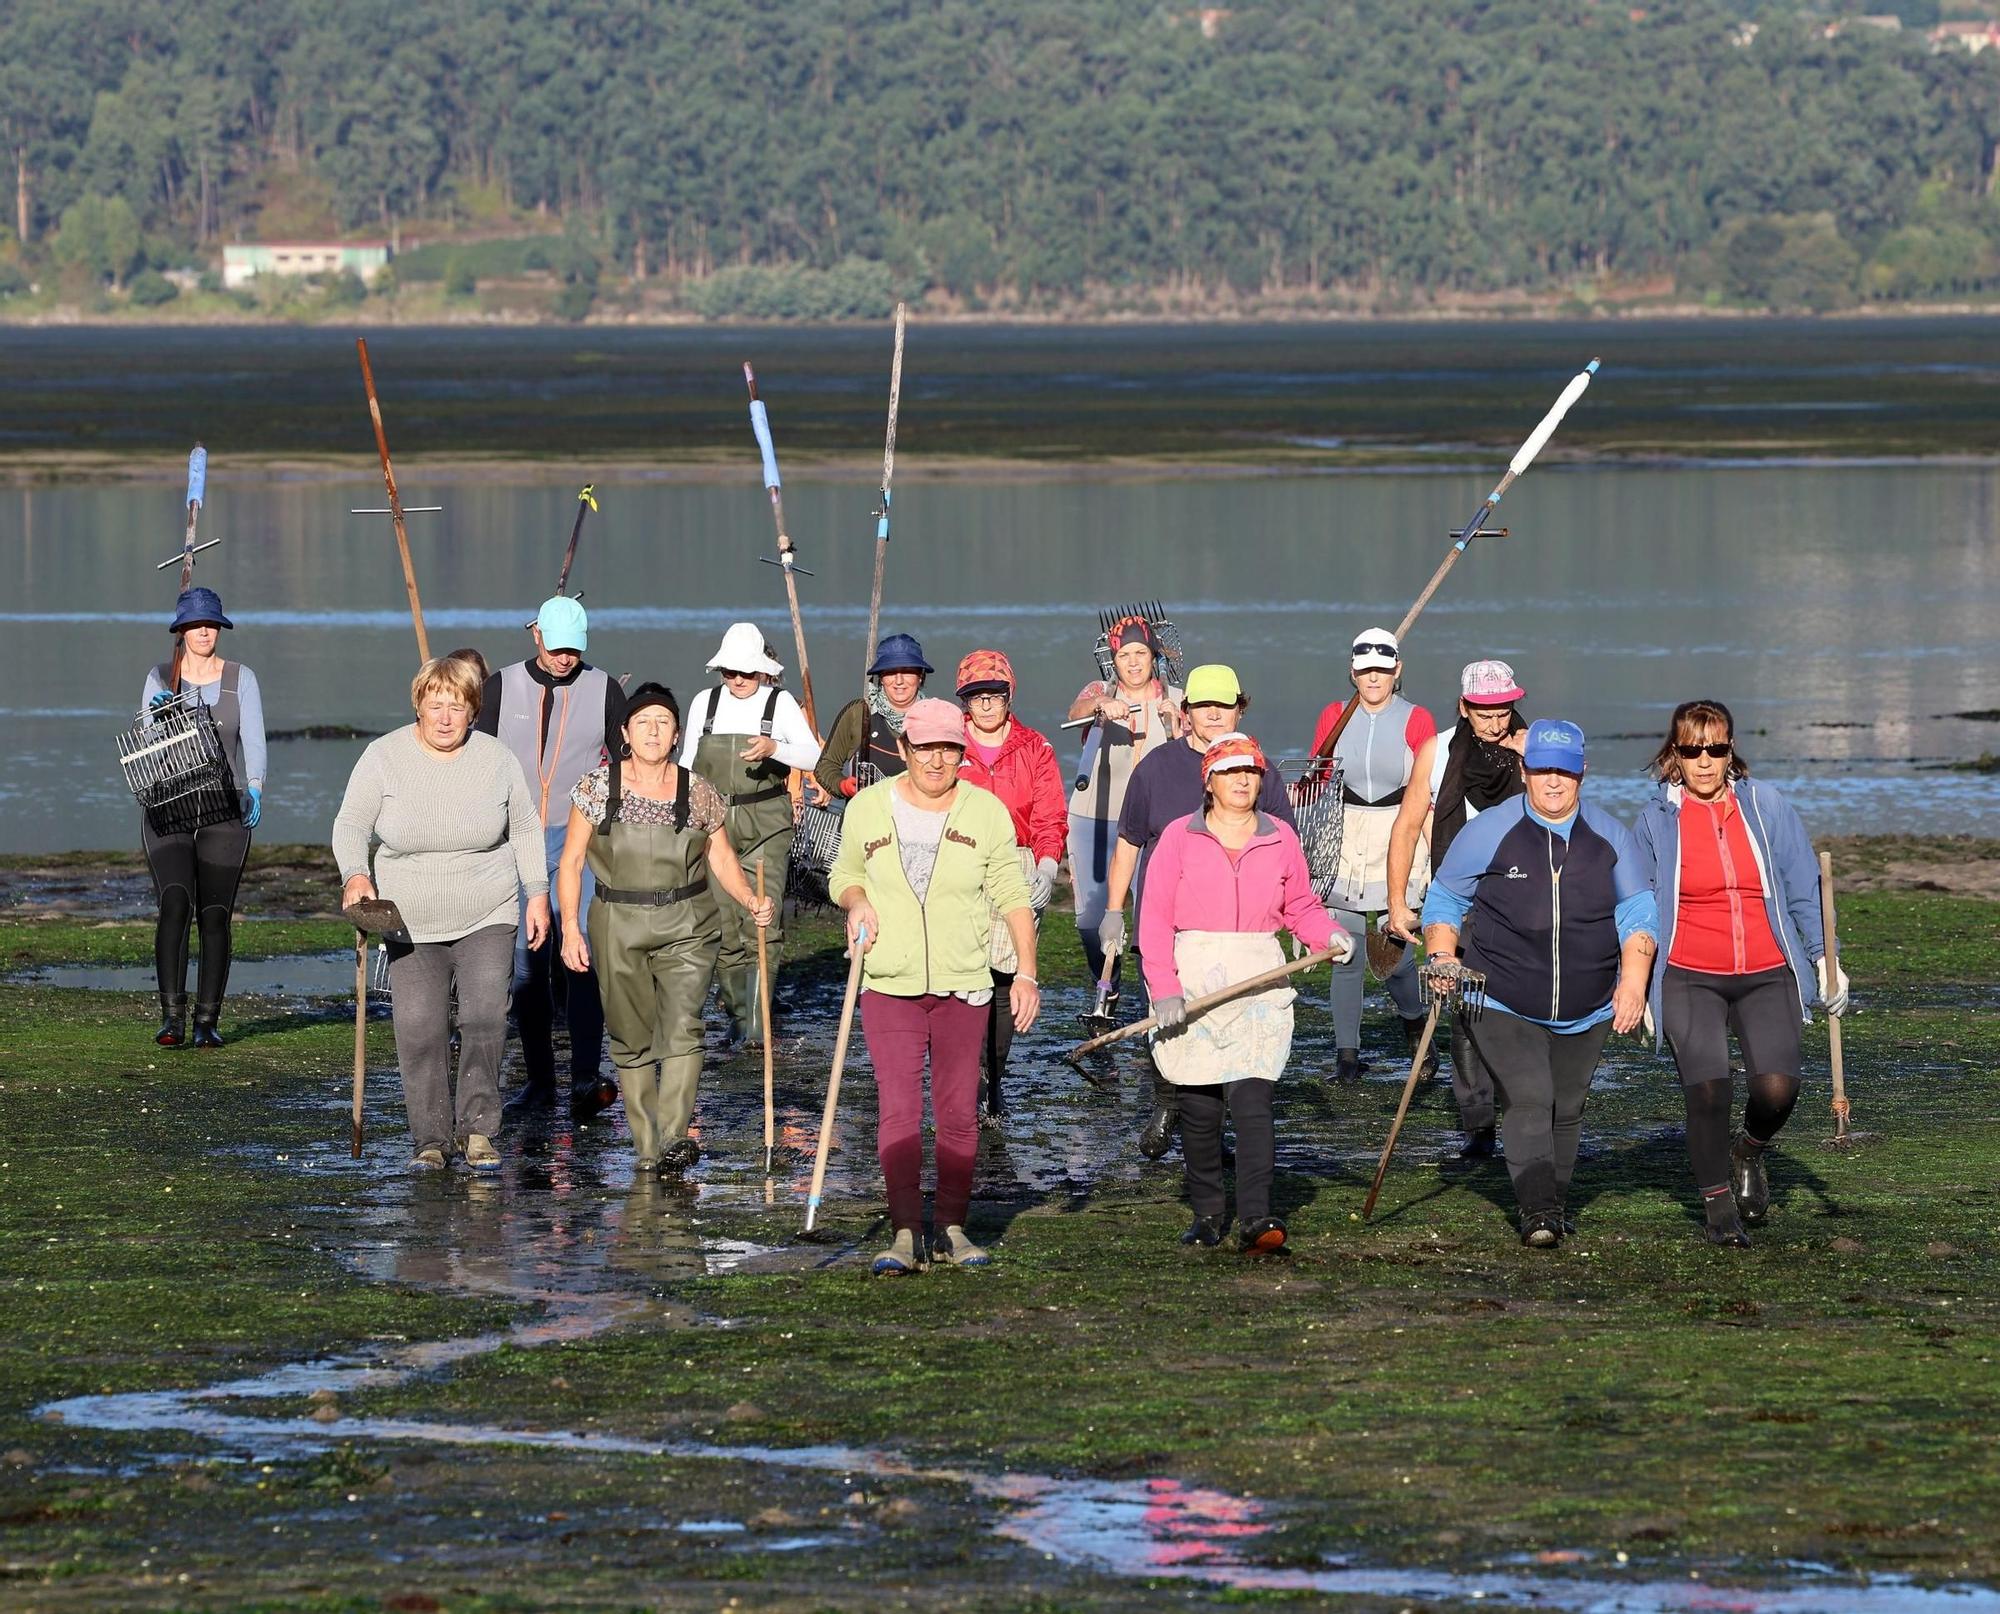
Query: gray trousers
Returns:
{"type": "Point", "coordinates": [1343, 994]}
{"type": "Point", "coordinates": [421, 977]}
{"type": "Point", "coordinates": [1543, 1077]}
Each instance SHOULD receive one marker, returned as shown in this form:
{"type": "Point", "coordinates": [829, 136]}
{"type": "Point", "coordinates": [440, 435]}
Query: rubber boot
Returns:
{"type": "Point", "coordinates": [674, 1113]}
{"type": "Point", "coordinates": [1413, 1033]}
{"type": "Point", "coordinates": [206, 1036]}
{"type": "Point", "coordinates": [1158, 1136]}
{"type": "Point", "coordinates": [1724, 1225]}
{"type": "Point", "coordinates": [173, 1020]}
{"type": "Point", "coordinates": [753, 1018]}
{"type": "Point", "coordinates": [739, 995]}
{"type": "Point", "coordinates": [1746, 1176]}
{"type": "Point", "coordinates": [1347, 1065]}
{"type": "Point", "coordinates": [639, 1085]}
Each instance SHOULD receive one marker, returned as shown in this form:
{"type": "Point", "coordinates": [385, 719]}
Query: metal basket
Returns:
{"type": "Point", "coordinates": [817, 841]}
{"type": "Point", "coordinates": [1170, 668]}
{"type": "Point", "coordinates": [1313, 786]}
{"type": "Point", "coordinates": [176, 768]}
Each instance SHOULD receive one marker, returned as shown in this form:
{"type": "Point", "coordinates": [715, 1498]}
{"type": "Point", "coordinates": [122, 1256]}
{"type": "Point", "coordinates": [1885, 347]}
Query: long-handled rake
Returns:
{"type": "Point", "coordinates": [1196, 1008]}
{"type": "Point", "coordinates": [833, 1083]}
{"type": "Point", "coordinates": [1842, 1138]}
{"type": "Point", "coordinates": [1468, 989]}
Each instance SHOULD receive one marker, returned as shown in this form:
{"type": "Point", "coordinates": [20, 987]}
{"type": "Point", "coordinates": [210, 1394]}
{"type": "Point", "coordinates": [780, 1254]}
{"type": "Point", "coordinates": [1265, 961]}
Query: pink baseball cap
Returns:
{"type": "Point", "coordinates": [935, 722]}
{"type": "Point", "coordinates": [1489, 683]}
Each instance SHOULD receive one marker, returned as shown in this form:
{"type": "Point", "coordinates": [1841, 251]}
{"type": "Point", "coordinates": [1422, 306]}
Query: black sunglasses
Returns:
{"type": "Point", "coordinates": [1690, 752]}
{"type": "Point", "coordinates": [1376, 650]}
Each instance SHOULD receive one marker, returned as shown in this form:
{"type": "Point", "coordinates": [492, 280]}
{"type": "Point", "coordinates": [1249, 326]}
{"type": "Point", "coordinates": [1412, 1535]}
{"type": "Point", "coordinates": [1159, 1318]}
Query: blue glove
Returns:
{"type": "Point", "coordinates": [161, 699]}
{"type": "Point", "coordinates": [255, 810]}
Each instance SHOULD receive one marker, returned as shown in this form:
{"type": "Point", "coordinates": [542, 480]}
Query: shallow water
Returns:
{"type": "Point", "coordinates": [1845, 613]}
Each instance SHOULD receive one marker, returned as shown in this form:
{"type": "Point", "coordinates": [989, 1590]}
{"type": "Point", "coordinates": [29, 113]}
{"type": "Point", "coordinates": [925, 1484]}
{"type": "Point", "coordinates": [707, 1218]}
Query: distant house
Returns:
{"type": "Point", "coordinates": [241, 263]}
{"type": "Point", "coordinates": [1968, 36]}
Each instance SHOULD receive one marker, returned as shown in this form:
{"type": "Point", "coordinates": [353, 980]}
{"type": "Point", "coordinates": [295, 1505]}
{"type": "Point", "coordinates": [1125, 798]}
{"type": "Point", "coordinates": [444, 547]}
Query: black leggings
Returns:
{"type": "Point", "coordinates": [1698, 1012]}
{"type": "Point", "coordinates": [1248, 1103]}
{"type": "Point", "coordinates": [196, 876]}
{"type": "Point", "coordinates": [999, 1040]}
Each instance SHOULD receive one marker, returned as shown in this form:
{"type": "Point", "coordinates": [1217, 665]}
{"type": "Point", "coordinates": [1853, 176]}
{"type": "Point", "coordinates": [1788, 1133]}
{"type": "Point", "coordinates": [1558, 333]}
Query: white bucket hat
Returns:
{"type": "Point", "coordinates": [743, 650]}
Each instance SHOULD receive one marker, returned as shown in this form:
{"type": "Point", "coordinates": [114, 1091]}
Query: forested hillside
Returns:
{"type": "Point", "coordinates": [821, 156]}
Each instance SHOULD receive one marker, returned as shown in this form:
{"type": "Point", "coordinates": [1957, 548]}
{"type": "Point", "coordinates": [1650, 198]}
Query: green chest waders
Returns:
{"type": "Point", "coordinates": [760, 829]}
{"type": "Point", "coordinates": [653, 935]}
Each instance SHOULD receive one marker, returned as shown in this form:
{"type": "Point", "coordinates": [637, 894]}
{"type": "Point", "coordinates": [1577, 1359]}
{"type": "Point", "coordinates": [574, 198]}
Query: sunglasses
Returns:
{"type": "Point", "coordinates": [1690, 752]}
{"type": "Point", "coordinates": [1389, 650]}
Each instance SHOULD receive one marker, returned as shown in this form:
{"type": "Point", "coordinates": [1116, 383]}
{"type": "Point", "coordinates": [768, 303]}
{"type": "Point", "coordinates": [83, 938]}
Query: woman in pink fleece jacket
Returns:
{"type": "Point", "coordinates": [1221, 884]}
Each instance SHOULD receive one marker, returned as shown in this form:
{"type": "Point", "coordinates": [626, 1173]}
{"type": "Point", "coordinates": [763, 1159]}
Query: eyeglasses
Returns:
{"type": "Point", "coordinates": [1376, 649]}
{"type": "Point", "coordinates": [986, 695]}
{"type": "Point", "coordinates": [1690, 752]}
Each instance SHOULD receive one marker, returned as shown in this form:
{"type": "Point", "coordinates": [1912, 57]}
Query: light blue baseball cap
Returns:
{"type": "Point", "coordinates": [1553, 743]}
{"type": "Point", "coordinates": [563, 625]}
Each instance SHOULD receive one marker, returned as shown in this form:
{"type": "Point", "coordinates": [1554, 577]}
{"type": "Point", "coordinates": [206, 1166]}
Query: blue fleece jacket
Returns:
{"type": "Point", "coordinates": [1785, 864]}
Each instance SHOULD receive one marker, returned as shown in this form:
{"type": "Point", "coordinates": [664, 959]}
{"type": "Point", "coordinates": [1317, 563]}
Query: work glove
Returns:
{"type": "Point", "coordinates": [849, 786]}
{"type": "Point", "coordinates": [1042, 886]}
{"type": "Point", "coordinates": [1833, 992]}
{"type": "Point", "coordinates": [1169, 1013]}
{"type": "Point", "coordinates": [255, 810]}
{"type": "Point", "coordinates": [1111, 931]}
{"type": "Point", "coordinates": [1341, 945]}
{"type": "Point", "coordinates": [166, 697]}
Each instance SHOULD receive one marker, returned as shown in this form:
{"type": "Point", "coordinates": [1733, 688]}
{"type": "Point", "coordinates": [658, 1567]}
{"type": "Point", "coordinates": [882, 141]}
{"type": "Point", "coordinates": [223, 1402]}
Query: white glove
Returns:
{"type": "Point", "coordinates": [1342, 946]}
{"type": "Point", "coordinates": [1832, 994]}
{"type": "Point", "coordinates": [1169, 1013]}
{"type": "Point", "coordinates": [1111, 931]}
{"type": "Point", "coordinates": [1042, 885]}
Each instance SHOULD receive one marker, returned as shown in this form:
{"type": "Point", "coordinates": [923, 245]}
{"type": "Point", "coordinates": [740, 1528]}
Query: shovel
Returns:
{"type": "Point", "coordinates": [377, 916]}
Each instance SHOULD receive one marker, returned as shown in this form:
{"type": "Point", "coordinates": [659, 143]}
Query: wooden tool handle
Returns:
{"type": "Point", "coordinates": [1830, 940]}
{"type": "Point", "coordinates": [1403, 1109]}
{"type": "Point", "coordinates": [1200, 1006]}
{"type": "Point", "coordinates": [764, 1007]}
{"type": "Point", "coordinates": [833, 1086]}
{"type": "Point", "coordinates": [360, 1034]}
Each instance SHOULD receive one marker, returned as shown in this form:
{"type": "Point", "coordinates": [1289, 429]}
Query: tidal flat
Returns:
{"type": "Point", "coordinates": [245, 1371]}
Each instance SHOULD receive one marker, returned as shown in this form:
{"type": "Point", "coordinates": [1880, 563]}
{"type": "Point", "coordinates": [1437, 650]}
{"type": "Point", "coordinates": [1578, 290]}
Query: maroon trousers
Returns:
{"type": "Point", "coordinates": [901, 1033]}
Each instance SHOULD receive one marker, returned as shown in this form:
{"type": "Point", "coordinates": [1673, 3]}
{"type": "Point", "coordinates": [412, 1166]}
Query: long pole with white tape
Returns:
{"type": "Point", "coordinates": [1524, 456]}
{"type": "Point", "coordinates": [787, 561]}
{"type": "Point", "coordinates": [882, 514]}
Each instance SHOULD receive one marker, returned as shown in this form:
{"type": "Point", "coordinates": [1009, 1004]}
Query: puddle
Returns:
{"type": "Point", "coordinates": [297, 975]}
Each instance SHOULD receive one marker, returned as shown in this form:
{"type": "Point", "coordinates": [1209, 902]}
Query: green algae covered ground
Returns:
{"type": "Point", "coordinates": [1418, 1391]}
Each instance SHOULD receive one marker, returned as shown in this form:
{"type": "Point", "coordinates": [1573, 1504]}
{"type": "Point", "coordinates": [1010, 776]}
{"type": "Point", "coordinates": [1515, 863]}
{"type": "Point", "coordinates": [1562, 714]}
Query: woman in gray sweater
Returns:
{"type": "Point", "coordinates": [460, 840]}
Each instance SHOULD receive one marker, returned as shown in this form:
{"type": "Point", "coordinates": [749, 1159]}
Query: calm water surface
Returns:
{"type": "Point", "coordinates": [1842, 610]}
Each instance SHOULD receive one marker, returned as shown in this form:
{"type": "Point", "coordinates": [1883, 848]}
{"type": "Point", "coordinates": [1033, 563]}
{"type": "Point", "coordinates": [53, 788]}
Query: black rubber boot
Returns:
{"type": "Point", "coordinates": [1262, 1238]}
{"type": "Point", "coordinates": [173, 1020]}
{"type": "Point", "coordinates": [1158, 1136]}
{"type": "Point", "coordinates": [1413, 1033]}
{"type": "Point", "coordinates": [592, 1099]}
{"type": "Point", "coordinates": [205, 1016]}
{"type": "Point", "coordinates": [1207, 1232]}
{"type": "Point", "coordinates": [1724, 1225]}
{"type": "Point", "coordinates": [1542, 1230]}
{"type": "Point", "coordinates": [1746, 1176]}
{"type": "Point", "coordinates": [1347, 1065]}
{"type": "Point", "coordinates": [1482, 1144]}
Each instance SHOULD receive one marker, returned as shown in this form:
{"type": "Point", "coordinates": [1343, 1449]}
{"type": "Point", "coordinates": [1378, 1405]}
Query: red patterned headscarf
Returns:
{"type": "Point", "coordinates": [1132, 630]}
{"type": "Point", "coordinates": [985, 669]}
{"type": "Point", "coordinates": [1232, 751]}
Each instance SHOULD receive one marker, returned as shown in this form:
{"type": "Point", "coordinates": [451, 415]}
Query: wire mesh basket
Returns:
{"type": "Point", "coordinates": [1313, 787]}
{"type": "Point", "coordinates": [176, 768]}
{"type": "Point", "coordinates": [817, 842]}
{"type": "Point", "coordinates": [1170, 669]}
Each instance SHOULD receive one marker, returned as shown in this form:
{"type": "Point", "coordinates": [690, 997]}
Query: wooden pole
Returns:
{"type": "Point", "coordinates": [882, 515]}
{"type": "Point", "coordinates": [1200, 1006]}
{"type": "Point", "coordinates": [833, 1082]}
{"type": "Point", "coordinates": [395, 503]}
{"type": "Point", "coordinates": [764, 1005]}
{"type": "Point", "coordinates": [1827, 932]}
{"type": "Point", "coordinates": [197, 486]}
{"type": "Point", "coordinates": [360, 1031]}
{"type": "Point", "coordinates": [1524, 456]}
{"type": "Point", "coordinates": [760, 423]}
{"type": "Point", "coordinates": [1403, 1109]}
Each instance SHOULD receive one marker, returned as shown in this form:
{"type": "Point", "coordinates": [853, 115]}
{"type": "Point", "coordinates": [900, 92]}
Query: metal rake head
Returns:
{"type": "Point", "coordinates": [1459, 989]}
{"type": "Point", "coordinates": [1155, 615]}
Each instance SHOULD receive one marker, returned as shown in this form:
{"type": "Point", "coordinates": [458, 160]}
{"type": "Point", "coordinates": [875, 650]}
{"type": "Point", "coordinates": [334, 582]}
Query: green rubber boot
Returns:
{"type": "Point", "coordinates": [639, 1086]}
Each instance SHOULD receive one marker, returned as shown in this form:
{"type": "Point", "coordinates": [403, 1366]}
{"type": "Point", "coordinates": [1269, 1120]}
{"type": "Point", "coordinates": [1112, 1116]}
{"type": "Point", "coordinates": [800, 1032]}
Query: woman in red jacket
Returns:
{"type": "Point", "coordinates": [1019, 766]}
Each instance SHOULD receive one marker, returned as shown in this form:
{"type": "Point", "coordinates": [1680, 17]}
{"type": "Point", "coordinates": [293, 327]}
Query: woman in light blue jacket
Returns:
{"type": "Point", "coordinates": [1737, 888]}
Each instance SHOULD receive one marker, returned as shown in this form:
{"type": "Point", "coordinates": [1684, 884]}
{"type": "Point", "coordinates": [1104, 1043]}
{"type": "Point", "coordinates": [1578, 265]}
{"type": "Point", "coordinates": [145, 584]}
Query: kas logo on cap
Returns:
{"type": "Point", "coordinates": [1561, 734]}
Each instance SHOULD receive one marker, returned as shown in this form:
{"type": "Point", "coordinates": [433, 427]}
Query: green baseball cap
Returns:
{"type": "Point", "coordinates": [1213, 683]}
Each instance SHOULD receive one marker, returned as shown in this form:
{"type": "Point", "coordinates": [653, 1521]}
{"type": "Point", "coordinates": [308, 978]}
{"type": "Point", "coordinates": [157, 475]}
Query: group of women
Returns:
{"type": "Point", "coordinates": [1702, 920]}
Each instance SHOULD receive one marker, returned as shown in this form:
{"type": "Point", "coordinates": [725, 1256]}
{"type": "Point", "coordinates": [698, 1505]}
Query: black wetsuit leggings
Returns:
{"type": "Point", "coordinates": [196, 877]}
{"type": "Point", "coordinates": [1698, 1013]}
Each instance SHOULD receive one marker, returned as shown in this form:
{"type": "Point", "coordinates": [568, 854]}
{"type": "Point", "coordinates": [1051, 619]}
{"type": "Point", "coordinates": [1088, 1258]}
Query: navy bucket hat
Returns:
{"type": "Point", "coordinates": [196, 606]}
{"type": "Point", "coordinates": [898, 653]}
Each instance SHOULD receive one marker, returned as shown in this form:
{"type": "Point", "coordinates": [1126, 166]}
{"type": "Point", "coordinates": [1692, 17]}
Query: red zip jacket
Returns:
{"type": "Point", "coordinates": [1026, 776]}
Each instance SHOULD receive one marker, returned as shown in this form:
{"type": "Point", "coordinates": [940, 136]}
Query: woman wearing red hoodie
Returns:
{"type": "Point", "coordinates": [1019, 766]}
{"type": "Point", "coordinates": [1221, 884]}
